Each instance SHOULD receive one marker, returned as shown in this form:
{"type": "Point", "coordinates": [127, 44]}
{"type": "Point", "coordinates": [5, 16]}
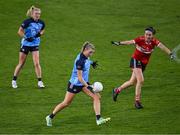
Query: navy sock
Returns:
{"type": "Point", "coordinates": [98, 117]}
{"type": "Point", "coordinates": [14, 78]}
{"type": "Point", "coordinates": [51, 115]}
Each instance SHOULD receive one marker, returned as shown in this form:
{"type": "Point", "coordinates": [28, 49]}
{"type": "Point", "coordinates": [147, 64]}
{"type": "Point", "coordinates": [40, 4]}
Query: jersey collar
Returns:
{"type": "Point", "coordinates": [34, 20]}
{"type": "Point", "coordinates": [83, 56]}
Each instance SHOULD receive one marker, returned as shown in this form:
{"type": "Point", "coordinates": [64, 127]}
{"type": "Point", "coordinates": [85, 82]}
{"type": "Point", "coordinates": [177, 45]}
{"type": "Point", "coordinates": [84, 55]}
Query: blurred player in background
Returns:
{"type": "Point", "coordinates": [144, 47]}
{"type": "Point", "coordinates": [30, 31]}
{"type": "Point", "coordinates": [78, 82]}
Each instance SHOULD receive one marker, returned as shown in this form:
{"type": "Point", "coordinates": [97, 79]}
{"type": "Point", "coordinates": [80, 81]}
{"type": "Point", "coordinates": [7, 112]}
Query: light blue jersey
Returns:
{"type": "Point", "coordinates": [81, 63]}
{"type": "Point", "coordinates": [31, 29]}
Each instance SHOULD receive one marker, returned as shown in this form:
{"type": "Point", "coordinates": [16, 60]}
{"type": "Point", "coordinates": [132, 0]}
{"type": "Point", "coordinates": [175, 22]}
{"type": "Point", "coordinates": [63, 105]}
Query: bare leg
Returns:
{"type": "Point", "coordinates": [140, 81]}
{"type": "Point", "coordinates": [96, 100]}
{"type": "Point", "coordinates": [22, 59]}
{"type": "Point", "coordinates": [67, 101]}
{"type": "Point", "coordinates": [97, 106]}
{"type": "Point", "coordinates": [35, 55]}
{"type": "Point", "coordinates": [128, 83]}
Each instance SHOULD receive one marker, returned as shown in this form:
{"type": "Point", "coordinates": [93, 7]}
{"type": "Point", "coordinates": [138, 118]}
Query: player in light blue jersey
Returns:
{"type": "Point", "coordinates": [30, 31]}
{"type": "Point", "coordinates": [78, 82]}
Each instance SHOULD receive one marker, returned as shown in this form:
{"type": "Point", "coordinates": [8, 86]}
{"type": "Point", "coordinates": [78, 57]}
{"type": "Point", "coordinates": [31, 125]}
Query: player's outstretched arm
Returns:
{"type": "Point", "coordinates": [129, 42]}
{"type": "Point", "coordinates": [166, 50]}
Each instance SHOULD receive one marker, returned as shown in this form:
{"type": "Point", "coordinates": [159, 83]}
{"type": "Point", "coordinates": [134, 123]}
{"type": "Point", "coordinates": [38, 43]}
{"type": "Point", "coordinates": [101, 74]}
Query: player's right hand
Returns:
{"type": "Point", "coordinates": [115, 43]}
{"type": "Point", "coordinates": [30, 39]}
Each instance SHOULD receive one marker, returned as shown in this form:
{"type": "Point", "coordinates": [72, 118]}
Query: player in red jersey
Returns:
{"type": "Point", "coordinates": [144, 47]}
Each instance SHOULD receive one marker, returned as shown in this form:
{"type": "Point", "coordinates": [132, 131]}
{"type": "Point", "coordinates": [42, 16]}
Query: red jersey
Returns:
{"type": "Point", "coordinates": [143, 49]}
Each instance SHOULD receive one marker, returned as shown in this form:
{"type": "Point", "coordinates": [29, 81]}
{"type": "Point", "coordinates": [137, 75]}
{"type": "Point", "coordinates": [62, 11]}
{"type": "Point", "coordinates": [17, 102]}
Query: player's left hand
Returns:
{"type": "Point", "coordinates": [94, 64]}
{"type": "Point", "coordinates": [115, 43]}
{"type": "Point", "coordinates": [38, 35]}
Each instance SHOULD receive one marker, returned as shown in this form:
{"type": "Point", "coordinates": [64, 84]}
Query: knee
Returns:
{"type": "Point", "coordinates": [37, 64]}
{"type": "Point", "coordinates": [99, 96]}
{"type": "Point", "coordinates": [141, 81]}
{"type": "Point", "coordinates": [131, 82]}
{"type": "Point", "coordinates": [96, 98]}
{"type": "Point", "coordinates": [65, 104]}
{"type": "Point", "coordinates": [21, 64]}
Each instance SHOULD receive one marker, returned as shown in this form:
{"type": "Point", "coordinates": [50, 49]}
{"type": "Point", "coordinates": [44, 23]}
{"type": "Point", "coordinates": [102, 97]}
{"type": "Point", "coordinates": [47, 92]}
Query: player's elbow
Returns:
{"type": "Point", "coordinates": [96, 98]}
{"type": "Point", "coordinates": [42, 32]}
{"type": "Point", "coordinates": [20, 33]}
{"type": "Point", "coordinates": [140, 81]}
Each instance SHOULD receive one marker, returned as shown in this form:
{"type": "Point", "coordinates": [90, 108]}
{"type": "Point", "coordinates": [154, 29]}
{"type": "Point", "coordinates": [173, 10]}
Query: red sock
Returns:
{"type": "Point", "coordinates": [118, 90]}
{"type": "Point", "coordinates": [137, 98]}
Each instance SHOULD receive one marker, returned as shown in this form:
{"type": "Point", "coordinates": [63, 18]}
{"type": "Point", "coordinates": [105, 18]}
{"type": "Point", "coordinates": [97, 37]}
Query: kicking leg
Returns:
{"type": "Point", "coordinates": [125, 85]}
{"type": "Point", "coordinates": [128, 83]}
{"type": "Point", "coordinates": [96, 105]}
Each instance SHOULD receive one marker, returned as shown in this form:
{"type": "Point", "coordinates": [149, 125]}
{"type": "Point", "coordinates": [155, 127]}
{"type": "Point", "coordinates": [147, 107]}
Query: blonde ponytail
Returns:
{"type": "Point", "coordinates": [30, 10]}
{"type": "Point", "coordinates": [87, 45]}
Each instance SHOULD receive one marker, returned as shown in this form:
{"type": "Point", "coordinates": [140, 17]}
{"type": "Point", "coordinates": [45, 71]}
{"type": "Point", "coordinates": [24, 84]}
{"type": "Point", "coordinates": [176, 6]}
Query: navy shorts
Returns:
{"type": "Point", "coordinates": [74, 89]}
{"type": "Point", "coordinates": [27, 49]}
{"type": "Point", "coordinates": [137, 64]}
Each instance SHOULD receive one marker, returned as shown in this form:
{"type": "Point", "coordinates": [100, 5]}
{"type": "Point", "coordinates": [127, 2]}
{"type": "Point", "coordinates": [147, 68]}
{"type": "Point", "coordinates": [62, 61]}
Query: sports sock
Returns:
{"type": "Point", "coordinates": [98, 117]}
{"type": "Point", "coordinates": [14, 78]}
{"type": "Point", "coordinates": [39, 79]}
{"type": "Point", "coordinates": [118, 90]}
{"type": "Point", "coordinates": [51, 115]}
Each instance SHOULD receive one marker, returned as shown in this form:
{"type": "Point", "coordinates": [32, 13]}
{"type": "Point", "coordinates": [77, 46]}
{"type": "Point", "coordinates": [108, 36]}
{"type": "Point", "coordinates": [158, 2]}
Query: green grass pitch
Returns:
{"type": "Point", "coordinates": [68, 24]}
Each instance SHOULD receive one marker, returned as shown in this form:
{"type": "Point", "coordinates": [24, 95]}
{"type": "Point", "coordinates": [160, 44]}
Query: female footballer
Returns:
{"type": "Point", "coordinates": [79, 82]}
{"type": "Point", "coordinates": [144, 47]}
{"type": "Point", "coordinates": [30, 31]}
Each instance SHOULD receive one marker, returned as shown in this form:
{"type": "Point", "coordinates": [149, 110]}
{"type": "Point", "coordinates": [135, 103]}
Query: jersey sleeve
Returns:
{"type": "Point", "coordinates": [156, 42]}
{"type": "Point", "coordinates": [79, 65]}
{"type": "Point", "coordinates": [137, 40]}
{"type": "Point", "coordinates": [43, 25]}
{"type": "Point", "coordinates": [25, 24]}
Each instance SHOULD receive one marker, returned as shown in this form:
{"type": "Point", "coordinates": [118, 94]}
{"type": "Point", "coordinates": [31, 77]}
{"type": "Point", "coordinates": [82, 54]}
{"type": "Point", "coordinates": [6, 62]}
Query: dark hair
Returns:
{"type": "Point", "coordinates": [151, 29]}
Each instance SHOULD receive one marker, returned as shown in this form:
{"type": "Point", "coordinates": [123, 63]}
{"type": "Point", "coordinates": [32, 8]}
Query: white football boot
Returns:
{"type": "Point", "coordinates": [41, 84]}
{"type": "Point", "coordinates": [48, 121]}
{"type": "Point", "coordinates": [14, 84]}
{"type": "Point", "coordinates": [102, 121]}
